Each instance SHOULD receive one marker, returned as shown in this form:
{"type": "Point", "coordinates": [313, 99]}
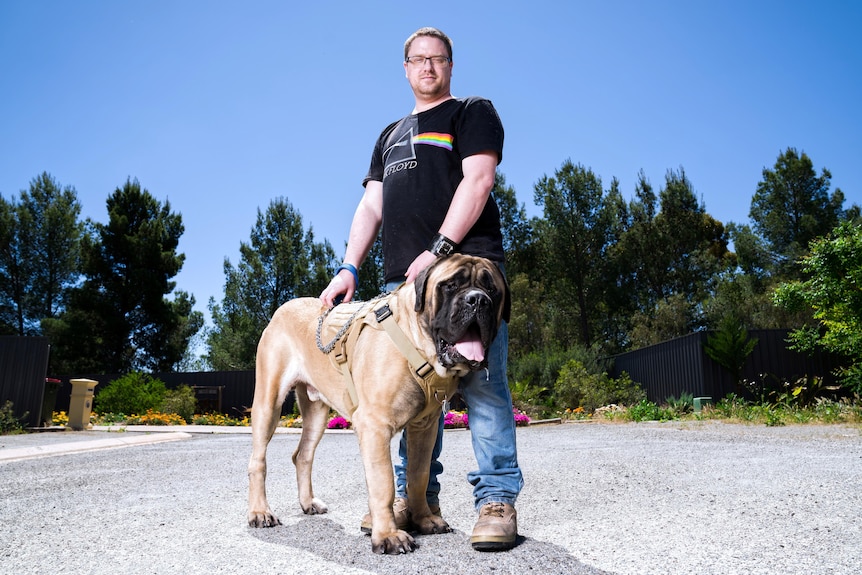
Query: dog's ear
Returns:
{"type": "Point", "coordinates": [507, 295]}
{"type": "Point", "coordinates": [507, 302]}
{"type": "Point", "coordinates": [421, 286]}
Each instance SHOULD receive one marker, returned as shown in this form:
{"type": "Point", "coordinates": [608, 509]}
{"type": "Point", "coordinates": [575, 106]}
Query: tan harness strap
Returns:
{"type": "Point", "coordinates": [422, 370]}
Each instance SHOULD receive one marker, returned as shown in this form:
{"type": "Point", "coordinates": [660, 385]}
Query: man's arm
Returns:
{"type": "Point", "coordinates": [466, 207]}
{"type": "Point", "coordinates": [363, 232]}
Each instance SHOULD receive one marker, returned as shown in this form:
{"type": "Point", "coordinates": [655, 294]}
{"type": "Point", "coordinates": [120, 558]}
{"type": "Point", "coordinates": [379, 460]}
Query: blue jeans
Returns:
{"type": "Point", "coordinates": [492, 429]}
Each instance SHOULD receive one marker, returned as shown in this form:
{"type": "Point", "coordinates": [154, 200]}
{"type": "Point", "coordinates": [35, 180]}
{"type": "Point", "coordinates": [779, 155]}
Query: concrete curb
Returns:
{"type": "Point", "coordinates": [35, 452]}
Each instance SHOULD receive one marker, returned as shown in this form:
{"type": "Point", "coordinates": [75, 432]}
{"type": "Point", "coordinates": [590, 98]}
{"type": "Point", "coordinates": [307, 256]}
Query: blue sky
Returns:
{"type": "Point", "coordinates": [220, 107]}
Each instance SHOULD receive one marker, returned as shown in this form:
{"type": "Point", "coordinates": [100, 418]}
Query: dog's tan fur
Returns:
{"type": "Point", "coordinates": [388, 398]}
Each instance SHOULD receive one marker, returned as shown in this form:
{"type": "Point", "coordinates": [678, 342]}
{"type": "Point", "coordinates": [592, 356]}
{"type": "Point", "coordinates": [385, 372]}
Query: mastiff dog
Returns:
{"type": "Point", "coordinates": [390, 363]}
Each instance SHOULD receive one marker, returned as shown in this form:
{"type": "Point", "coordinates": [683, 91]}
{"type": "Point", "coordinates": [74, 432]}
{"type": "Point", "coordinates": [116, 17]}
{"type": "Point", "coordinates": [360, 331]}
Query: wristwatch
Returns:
{"type": "Point", "coordinates": [441, 246]}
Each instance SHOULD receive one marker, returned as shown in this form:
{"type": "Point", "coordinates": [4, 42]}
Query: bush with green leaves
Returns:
{"type": "Point", "coordinates": [9, 423]}
{"type": "Point", "coordinates": [648, 411]}
{"type": "Point", "coordinates": [181, 401]}
{"type": "Point", "coordinates": [535, 376]}
{"type": "Point", "coordinates": [133, 393]}
{"type": "Point", "coordinates": [832, 291]}
{"type": "Point", "coordinates": [578, 387]}
{"type": "Point", "coordinates": [681, 405]}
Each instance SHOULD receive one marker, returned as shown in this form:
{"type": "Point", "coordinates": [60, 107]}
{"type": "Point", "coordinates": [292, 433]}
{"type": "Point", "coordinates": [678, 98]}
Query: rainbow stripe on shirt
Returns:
{"type": "Point", "coordinates": [435, 139]}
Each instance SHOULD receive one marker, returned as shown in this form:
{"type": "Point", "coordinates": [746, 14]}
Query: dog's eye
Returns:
{"type": "Point", "coordinates": [486, 281]}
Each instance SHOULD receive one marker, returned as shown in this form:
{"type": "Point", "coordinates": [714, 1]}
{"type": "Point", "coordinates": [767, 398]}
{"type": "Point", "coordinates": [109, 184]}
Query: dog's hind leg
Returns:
{"type": "Point", "coordinates": [314, 416]}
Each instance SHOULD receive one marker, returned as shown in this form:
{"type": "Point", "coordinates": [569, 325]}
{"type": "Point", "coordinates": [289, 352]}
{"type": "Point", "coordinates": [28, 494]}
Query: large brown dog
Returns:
{"type": "Point", "coordinates": [450, 318]}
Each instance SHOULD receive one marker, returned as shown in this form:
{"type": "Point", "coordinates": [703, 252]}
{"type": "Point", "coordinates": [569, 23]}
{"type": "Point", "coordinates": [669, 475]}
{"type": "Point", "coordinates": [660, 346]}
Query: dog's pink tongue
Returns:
{"type": "Point", "coordinates": [471, 347]}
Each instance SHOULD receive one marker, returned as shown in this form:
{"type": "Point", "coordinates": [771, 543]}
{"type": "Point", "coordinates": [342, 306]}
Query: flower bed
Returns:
{"type": "Point", "coordinates": [452, 420]}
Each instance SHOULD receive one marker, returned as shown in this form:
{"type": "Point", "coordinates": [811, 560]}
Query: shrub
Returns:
{"type": "Point", "coordinates": [647, 411]}
{"type": "Point", "coordinates": [181, 401]}
{"type": "Point", "coordinates": [577, 387]}
{"type": "Point", "coordinates": [682, 405]}
{"type": "Point", "coordinates": [10, 424]}
{"type": "Point", "coordinates": [135, 392]}
{"type": "Point", "coordinates": [732, 406]}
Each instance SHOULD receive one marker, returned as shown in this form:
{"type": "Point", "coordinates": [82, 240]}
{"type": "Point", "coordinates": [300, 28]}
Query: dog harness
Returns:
{"type": "Point", "coordinates": [349, 319]}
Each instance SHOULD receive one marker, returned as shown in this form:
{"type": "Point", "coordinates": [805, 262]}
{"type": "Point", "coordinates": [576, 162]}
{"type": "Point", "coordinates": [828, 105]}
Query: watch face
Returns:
{"type": "Point", "coordinates": [441, 246]}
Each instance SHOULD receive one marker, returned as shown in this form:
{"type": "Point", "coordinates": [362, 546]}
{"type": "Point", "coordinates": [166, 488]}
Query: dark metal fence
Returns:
{"type": "Point", "coordinates": [23, 363]}
{"type": "Point", "coordinates": [681, 365]}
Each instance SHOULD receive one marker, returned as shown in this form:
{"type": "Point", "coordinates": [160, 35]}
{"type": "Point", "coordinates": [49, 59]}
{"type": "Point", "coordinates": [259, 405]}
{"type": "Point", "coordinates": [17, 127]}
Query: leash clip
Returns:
{"type": "Point", "coordinates": [382, 313]}
{"type": "Point", "coordinates": [444, 404]}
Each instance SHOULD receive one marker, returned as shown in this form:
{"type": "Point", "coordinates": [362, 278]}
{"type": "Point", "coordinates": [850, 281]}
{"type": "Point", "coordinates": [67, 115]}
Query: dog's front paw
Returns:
{"type": "Point", "coordinates": [431, 525]}
{"type": "Point", "coordinates": [396, 543]}
{"type": "Point", "coordinates": [315, 507]}
{"type": "Point", "coordinates": [262, 519]}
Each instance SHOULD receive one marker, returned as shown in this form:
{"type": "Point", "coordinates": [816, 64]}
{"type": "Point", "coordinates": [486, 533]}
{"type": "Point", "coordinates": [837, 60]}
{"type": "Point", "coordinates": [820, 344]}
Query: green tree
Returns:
{"type": "Point", "coordinates": [39, 253]}
{"type": "Point", "coordinates": [12, 271]}
{"type": "Point", "coordinates": [673, 259]}
{"type": "Point", "coordinates": [281, 262]}
{"type": "Point", "coordinates": [792, 206]}
{"type": "Point", "coordinates": [575, 236]}
{"type": "Point", "coordinates": [120, 318]}
{"type": "Point", "coordinates": [745, 293]}
{"type": "Point", "coordinates": [516, 227]}
{"type": "Point", "coordinates": [833, 289]}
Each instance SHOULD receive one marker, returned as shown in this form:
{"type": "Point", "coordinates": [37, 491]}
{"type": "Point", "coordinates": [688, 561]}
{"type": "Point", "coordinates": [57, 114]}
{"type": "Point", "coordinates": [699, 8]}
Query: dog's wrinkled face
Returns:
{"type": "Point", "coordinates": [465, 299]}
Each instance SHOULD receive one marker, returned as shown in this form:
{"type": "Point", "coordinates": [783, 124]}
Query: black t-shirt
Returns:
{"type": "Point", "coordinates": [418, 159]}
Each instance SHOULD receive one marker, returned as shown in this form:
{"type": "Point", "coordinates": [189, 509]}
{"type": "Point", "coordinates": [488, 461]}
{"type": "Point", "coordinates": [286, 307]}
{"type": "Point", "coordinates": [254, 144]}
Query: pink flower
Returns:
{"type": "Point", "coordinates": [455, 419]}
{"type": "Point", "coordinates": [338, 422]}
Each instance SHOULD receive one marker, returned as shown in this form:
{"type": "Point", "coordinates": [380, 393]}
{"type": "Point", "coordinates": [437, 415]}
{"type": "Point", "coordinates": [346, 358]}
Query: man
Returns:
{"type": "Point", "coordinates": [429, 187]}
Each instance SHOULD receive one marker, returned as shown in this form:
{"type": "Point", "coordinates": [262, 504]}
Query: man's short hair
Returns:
{"type": "Point", "coordinates": [428, 31]}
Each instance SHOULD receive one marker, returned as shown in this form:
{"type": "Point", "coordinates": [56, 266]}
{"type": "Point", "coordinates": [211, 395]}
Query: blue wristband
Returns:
{"type": "Point", "coordinates": [351, 269]}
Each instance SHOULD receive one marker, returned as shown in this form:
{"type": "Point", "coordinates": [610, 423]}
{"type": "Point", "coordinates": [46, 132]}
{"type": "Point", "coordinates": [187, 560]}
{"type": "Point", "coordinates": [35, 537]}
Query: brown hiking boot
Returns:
{"type": "Point", "coordinates": [496, 529]}
{"type": "Point", "coordinates": [402, 516]}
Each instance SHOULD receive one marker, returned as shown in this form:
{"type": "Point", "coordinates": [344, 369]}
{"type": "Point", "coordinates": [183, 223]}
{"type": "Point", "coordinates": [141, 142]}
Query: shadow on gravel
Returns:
{"type": "Point", "coordinates": [449, 553]}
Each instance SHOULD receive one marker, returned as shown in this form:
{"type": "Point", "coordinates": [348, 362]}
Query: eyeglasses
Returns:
{"type": "Point", "coordinates": [420, 60]}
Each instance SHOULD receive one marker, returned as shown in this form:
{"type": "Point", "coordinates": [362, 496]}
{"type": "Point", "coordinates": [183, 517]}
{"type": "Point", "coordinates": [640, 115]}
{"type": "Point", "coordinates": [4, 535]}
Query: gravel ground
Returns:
{"type": "Point", "coordinates": [671, 498]}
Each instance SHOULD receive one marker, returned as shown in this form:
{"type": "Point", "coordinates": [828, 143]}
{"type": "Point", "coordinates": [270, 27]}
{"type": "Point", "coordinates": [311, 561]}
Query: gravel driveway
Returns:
{"type": "Point", "coordinates": [670, 498]}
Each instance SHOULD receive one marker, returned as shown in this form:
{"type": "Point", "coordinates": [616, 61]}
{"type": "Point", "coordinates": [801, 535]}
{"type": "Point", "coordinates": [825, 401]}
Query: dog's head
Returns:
{"type": "Point", "coordinates": [462, 300]}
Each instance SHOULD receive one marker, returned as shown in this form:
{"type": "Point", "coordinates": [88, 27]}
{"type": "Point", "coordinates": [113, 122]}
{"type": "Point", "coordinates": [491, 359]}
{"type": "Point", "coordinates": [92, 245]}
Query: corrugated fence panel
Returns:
{"type": "Point", "coordinates": [681, 366]}
{"type": "Point", "coordinates": [666, 369]}
{"type": "Point", "coordinates": [772, 356]}
{"type": "Point", "coordinates": [23, 365]}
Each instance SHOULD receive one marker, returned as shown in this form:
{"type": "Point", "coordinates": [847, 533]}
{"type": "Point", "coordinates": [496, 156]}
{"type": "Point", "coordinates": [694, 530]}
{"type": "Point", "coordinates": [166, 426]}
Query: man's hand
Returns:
{"type": "Point", "coordinates": [421, 262]}
{"type": "Point", "coordinates": [342, 284]}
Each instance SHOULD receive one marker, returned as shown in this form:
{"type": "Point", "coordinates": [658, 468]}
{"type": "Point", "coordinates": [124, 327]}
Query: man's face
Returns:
{"type": "Point", "coordinates": [428, 80]}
